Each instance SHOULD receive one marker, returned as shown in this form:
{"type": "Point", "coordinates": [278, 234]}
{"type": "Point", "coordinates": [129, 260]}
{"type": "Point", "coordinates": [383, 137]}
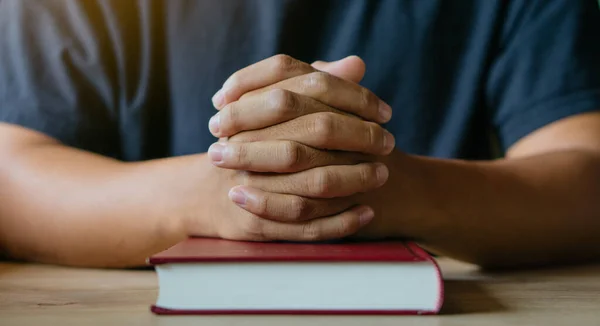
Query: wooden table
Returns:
{"type": "Point", "coordinates": [49, 295]}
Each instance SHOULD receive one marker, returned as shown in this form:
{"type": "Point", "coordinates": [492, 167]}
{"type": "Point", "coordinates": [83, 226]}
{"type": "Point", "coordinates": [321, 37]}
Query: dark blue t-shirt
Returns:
{"type": "Point", "coordinates": [134, 79]}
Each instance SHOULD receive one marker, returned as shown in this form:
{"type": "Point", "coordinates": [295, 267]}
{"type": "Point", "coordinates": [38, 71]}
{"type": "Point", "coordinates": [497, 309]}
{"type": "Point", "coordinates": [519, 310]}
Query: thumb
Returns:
{"type": "Point", "coordinates": [351, 68]}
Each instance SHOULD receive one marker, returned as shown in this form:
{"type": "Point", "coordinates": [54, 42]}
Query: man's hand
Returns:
{"type": "Point", "coordinates": [299, 127]}
{"type": "Point", "coordinates": [302, 125]}
{"type": "Point", "coordinates": [319, 193]}
{"type": "Point", "coordinates": [309, 141]}
{"type": "Point", "coordinates": [286, 206]}
{"type": "Point", "coordinates": [323, 91]}
{"type": "Point", "coordinates": [282, 67]}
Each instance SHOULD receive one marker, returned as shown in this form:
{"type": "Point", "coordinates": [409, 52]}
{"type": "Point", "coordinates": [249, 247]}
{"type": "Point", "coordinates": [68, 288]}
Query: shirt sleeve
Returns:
{"type": "Point", "coordinates": [547, 65]}
{"type": "Point", "coordinates": [54, 77]}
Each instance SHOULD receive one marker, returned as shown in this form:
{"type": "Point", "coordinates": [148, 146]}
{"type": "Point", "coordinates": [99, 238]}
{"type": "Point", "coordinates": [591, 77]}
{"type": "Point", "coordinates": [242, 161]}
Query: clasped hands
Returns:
{"type": "Point", "coordinates": [299, 144]}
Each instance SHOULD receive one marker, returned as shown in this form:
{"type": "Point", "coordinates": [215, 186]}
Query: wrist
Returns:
{"type": "Point", "coordinates": [173, 192]}
{"type": "Point", "coordinates": [411, 198]}
{"type": "Point", "coordinates": [196, 202]}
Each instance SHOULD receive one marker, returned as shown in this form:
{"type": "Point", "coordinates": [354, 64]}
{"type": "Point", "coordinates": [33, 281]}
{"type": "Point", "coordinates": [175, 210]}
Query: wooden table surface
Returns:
{"type": "Point", "coordinates": [48, 295]}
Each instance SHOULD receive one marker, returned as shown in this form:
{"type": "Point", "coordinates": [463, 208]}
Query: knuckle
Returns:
{"type": "Point", "coordinates": [229, 118]}
{"type": "Point", "coordinates": [283, 64]}
{"type": "Point", "coordinates": [263, 206]}
{"type": "Point", "coordinates": [319, 82]}
{"type": "Point", "coordinates": [239, 154]}
{"type": "Point", "coordinates": [373, 134]}
{"type": "Point", "coordinates": [311, 232]}
{"type": "Point", "coordinates": [345, 226]}
{"type": "Point", "coordinates": [321, 183]}
{"type": "Point", "coordinates": [291, 155]}
{"type": "Point", "coordinates": [368, 100]}
{"type": "Point", "coordinates": [323, 126]}
{"type": "Point", "coordinates": [299, 208]}
{"type": "Point", "coordinates": [367, 174]}
{"type": "Point", "coordinates": [281, 101]}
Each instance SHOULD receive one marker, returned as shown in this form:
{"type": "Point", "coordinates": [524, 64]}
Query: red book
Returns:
{"type": "Point", "coordinates": [211, 276]}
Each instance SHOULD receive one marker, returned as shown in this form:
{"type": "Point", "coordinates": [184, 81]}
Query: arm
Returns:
{"type": "Point", "coordinates": [63, 205]}
{"type": "Point", "coordinates": [67, 206]}
{"type": "Point", "coordinates": [540, 204]}
{"type": "Point", "coordinates": [537, 206]}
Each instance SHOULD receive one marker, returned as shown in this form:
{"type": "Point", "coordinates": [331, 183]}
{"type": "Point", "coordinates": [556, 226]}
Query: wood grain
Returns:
{"type": "Point", "coordinates": [49, 295]}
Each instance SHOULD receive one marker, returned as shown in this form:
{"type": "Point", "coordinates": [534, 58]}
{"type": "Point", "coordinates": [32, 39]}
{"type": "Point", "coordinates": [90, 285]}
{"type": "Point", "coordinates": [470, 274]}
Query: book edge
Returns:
{"type": "Point", "coordinates": [418, 251]}
{"type": "Point", "coordinates": [418, 255]}
{"type": "Point", "coordinates": [165, 311]}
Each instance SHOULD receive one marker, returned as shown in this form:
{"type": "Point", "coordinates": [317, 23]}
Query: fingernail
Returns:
{"type": "Point", "coordinates": [238, 196]}
{"type": "Point", "coordinates": [385, 111]}
{"type": "Point", "coordinates": [215, 152]}
{"type": "Point", "coordinates": [365, 216]}
{"type": "Point", "coordinates": [217, 99]}
{"type": "Point", "coordinates": [214, 124]}
{"type": "Point", "coordinates": [389, 142]}
{"type": "Point", "coordinates": [382, 173]}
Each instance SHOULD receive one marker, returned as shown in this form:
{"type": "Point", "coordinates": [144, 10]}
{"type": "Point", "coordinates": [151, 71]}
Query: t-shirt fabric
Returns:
{"type": "Point", "coordinates": [133, 79]}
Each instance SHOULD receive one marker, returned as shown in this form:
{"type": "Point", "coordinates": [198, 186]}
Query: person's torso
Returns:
{"type": "Point", "coordinates": [426, 58]}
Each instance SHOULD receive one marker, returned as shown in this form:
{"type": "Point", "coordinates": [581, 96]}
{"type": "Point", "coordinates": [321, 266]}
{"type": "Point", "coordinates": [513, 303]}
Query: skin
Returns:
{"type": "Point", "coordinates": [537, 206]}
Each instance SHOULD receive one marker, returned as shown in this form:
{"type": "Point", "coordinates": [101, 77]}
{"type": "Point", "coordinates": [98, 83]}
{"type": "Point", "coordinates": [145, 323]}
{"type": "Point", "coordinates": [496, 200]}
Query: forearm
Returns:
{"type": "Point", "coordinates": [65, 206]}
{"type": "Point", "coordinates": [531, 211]}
